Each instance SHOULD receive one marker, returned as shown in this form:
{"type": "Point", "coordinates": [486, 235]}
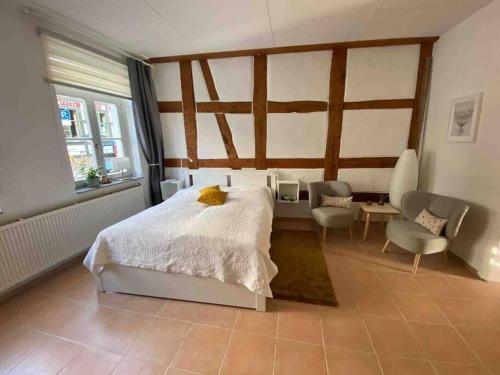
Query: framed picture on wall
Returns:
{"type": "Point", "coordinates": [464, 118]}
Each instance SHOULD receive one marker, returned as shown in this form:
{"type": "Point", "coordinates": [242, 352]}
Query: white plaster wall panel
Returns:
{"type": "Point", "coordinates": [299, 76]}
{"type": "Point", "coordinates": [296, 135]}
{"type": "Point", "coordinates": [233, 78]}
{"type": "Point", "coordinates": [242, 129]}
{"type": "Point", "coordinates": [381, 73]}
{"type": "Point", "coordinates": [319, 21]}
{"type": "Point", "coordinates": [374, 132]}
{"type": "Point", "coordinates": [304, 176]}
{"type": "Point", "coordinates": [468, 171]}
{"type": "Point", "coordinates": [200, 87]}
{"type": "Point", "coordinates": [367, 179]}
{"type": "Point", "coordinates": [174, 136]}
{"type": "Point", "coordinates": [167, 81]}
{"type": "Point", "coordinates": [218, 25]}
{"type": "Point", "coordinates": [210, 143]}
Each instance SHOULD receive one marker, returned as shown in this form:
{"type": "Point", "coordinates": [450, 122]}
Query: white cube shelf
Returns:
{"type": "Point", "coordinates": [288, 189]}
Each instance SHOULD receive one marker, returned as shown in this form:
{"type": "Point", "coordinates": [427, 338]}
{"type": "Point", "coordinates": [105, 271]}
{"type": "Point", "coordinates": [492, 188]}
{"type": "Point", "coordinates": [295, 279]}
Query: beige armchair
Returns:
{"type": "Point", "coordinates": [416, 239]}
{"type": "Point", "coordinates": [330, 217]}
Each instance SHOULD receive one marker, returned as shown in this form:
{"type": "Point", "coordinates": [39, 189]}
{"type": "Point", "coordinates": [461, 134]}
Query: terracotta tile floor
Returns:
{"type": "Point", "coordinates": [388, 322]}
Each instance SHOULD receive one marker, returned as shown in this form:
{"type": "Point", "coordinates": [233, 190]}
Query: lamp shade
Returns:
{"type": "Point", "coordinates": [120, 163]}
{"type": "Point", "coordinates": [404, 177]}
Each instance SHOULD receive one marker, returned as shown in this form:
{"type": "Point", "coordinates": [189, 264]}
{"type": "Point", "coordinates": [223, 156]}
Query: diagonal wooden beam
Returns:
{"type": "Point", "coordinates": [225, 130]}
{"type": "Point", "coordinates": [260, 109]}
{"type": "Point", "coordinates": [417, 114]}
{"type": "Point", "coordinates": [189, 112]}
{"type": "Point", "coordinates": [335, 112]}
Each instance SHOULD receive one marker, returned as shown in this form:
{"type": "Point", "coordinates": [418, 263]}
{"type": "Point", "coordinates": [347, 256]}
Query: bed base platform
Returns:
{"type": "Point", "coordinates": [140, 281]}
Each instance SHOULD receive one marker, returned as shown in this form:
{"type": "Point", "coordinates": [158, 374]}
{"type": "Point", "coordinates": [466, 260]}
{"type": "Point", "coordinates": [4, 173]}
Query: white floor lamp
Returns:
{"type": "Point", "coordinates": [404, 177]}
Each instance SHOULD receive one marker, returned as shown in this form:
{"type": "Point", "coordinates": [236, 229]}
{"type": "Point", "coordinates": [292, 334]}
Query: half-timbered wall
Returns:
{"type": "Point", "coordinates": [342, 113]}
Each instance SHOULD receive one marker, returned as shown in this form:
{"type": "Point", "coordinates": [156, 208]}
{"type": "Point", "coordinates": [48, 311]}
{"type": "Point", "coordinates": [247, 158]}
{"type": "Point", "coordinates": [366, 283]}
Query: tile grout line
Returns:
{"type": "Point", "coordinates": [373, 346]}
{"type": "Point", "coordinates": [137, 335]}
{"type": "Point", "coordinates": [276, 341]}
{"type": "Point", "coordinates": [408, 325]}
{"type": "Point", "coordinates": [323, 342]}
{"type": "Point", "coordinates": [228, 343]}
{"type": "Point", "coordinates": [172, 361]}
{"type": "Point", "coordinates": [461, 337]}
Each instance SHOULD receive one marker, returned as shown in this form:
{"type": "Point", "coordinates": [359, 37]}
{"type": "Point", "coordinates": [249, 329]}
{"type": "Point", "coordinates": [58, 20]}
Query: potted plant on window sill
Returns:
{"type": "Point", "coordinates": [92, 176]}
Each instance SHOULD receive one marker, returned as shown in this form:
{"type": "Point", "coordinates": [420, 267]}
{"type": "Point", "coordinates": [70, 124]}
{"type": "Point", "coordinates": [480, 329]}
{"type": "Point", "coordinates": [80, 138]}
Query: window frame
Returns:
{"type": "Point", "coordinates": [90, 98]}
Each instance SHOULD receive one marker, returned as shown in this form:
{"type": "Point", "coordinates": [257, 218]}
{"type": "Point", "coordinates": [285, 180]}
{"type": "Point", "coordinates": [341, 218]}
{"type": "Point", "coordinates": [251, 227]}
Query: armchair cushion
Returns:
{"type": "Point", "coordinates": [415, 238]}
{"type": "Point", "coordinates": [333, 217]}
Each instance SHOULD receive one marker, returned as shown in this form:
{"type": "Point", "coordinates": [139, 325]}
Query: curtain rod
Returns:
{"type": "Point", "coordinates": [94, 36]}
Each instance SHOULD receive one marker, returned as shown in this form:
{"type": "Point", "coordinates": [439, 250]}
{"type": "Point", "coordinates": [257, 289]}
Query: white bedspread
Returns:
{"type": "Point", "coordinates": [229, 243]}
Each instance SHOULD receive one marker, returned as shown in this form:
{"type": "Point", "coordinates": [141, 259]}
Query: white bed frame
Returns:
{"type": "Point", "coordinates": [140, 281]}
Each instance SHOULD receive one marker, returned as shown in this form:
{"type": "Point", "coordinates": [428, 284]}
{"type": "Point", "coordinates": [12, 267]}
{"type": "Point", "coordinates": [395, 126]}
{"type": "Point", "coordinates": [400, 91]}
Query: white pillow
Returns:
{"type": "Point", "coordinates": [433, 223]}
{"type": "Point", "coordinates": [343, 202]}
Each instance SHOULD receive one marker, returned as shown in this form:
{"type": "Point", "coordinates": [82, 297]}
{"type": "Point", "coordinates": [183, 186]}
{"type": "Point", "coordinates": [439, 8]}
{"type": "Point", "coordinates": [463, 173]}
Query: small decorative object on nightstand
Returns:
{"type": "Point", "coordinates": [369, 209]}
{"type": "Point", "coordinates": [169, 187]}
{"type": "Point", "coordinates": [288, 191]}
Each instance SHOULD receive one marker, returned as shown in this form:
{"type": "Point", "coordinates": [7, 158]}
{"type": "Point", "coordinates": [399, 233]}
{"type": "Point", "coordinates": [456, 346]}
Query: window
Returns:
{"type": "Point", "coordinates": [95, 132]}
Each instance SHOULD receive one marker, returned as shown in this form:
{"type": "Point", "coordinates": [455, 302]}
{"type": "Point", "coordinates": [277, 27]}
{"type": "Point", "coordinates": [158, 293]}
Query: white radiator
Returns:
{"type": "Point", "coordinates": [29, 247]}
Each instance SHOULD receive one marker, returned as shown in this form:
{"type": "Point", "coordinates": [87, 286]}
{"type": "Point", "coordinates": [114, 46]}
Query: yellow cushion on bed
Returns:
{"type": "Point", "coordinates": [212, 197]}
{"type": "Point", "coordinates": [214, 187]}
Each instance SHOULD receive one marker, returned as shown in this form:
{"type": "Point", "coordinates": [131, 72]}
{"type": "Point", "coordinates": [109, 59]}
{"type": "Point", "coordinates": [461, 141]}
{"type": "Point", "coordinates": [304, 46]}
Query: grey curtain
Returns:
{"type": "Point", "coordinates": [147, 123]}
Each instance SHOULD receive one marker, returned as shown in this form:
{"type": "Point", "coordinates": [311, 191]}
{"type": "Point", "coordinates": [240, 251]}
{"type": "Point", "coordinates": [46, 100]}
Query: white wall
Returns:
{"type": "Point", "coordinates": [35, 174]}
{"type": "Point", "coordinates": [372, 73]}
{"type": "Point", "coordinates": [467, 61]}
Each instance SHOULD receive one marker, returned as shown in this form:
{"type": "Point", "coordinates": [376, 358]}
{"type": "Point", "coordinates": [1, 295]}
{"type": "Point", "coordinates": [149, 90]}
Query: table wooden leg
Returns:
{"type": "Point", "coordinates": [415, 263]}
{"type": "Point", "coordinates": [367, 225]}
{"type": "Point", "coordinates": [385, 246]}
{"type": "Point", "coordinates": [324, 234]}
{"type": "Point", "coordinates": [350, 232]}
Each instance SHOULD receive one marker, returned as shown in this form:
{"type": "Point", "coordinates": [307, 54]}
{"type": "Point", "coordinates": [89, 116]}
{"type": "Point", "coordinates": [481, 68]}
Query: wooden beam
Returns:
{"type": "Point", "coordinates": [297, 48]}
{"type": "Point", "coordinates": [225, 130]}
{"type": "Point", "coordinates": [380, 104]}
{"type": "Point", "coordinates": [300, 106]}
{"type": "Point", "coordinates": [170, 107]}
{"type": "Point", "coordinates": [189, 112]}
{"type": "Point", "coordinates": [209, 79]}
{"type": "Point", "coordinates": [294, 163]}
{"type": "Point", "coordinates": [224, 107]}
{"type": "Point", "coordinates": [227, 163]}
{"type": "Point", "coordinates": [335, 112]}
{"type": "Point", "coordinates": [420, 95]}
{"type": "Point", "coordinates": [369, 162]}
{"type": "Point", "coordinates": [175, 163]}
{"type": "Point", "coordinates": [260, 109]}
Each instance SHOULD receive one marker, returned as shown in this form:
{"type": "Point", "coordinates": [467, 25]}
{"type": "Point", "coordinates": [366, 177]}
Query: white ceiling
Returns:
{"type": "Point", "coordinates": [171, 27]}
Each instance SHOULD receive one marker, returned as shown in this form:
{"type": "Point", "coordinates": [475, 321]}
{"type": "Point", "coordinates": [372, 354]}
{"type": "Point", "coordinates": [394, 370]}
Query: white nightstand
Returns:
{"type": "Point", "coordinates": [288, 189]}
{"type": "Point", "coordinates": [169, 187]}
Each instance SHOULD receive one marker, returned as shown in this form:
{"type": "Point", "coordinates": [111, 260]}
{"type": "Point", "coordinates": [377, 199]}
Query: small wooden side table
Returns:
{"type": "Point", "coordinates": [374, 208]}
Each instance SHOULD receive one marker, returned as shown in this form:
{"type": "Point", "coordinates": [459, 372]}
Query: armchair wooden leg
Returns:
{"type": "Point", "coordinates": [415, 263]}
{"type": "Point", "coordinates": [385, 246]}
{"type": "Point", "coordinates": [324, 233]}
{"type": "Point", "coordinates": [445, 258]}
{"type": "Point", "coordinates": [350, 232]}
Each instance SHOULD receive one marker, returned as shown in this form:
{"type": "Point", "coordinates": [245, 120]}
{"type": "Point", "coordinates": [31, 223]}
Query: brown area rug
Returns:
{"type": "Point", "coordinates": [302, 272]}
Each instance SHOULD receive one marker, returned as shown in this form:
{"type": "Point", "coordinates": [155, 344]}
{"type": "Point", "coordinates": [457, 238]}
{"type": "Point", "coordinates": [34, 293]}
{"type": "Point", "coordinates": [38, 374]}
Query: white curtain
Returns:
{"type": "Point", "coordinates": [71, 65]}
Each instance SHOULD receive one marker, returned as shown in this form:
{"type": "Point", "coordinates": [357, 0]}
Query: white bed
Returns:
{"type": "Point", "coordinates": [184, 250]}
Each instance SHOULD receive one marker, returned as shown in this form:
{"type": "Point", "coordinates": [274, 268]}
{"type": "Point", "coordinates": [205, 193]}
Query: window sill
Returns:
{"type": "Point", "coordinates": [86, 189]}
